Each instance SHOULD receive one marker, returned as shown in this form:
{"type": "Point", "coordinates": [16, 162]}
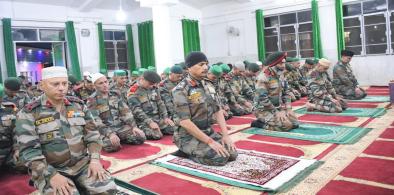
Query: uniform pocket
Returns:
{"type": "Point", "coordinates": [76, 125]}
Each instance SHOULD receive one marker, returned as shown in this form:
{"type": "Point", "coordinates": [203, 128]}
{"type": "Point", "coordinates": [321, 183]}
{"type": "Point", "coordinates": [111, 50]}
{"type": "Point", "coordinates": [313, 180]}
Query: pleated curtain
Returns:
{"type": "Point", "coordinates": [191, 36]}
{"type": "Point", "coordinates": [260, 34]}
{"type": "Point", "coordinates": [73, 50]}
{"type": "Point", "coordinates": [146, 46]}
{"type": "Point", "coordinates": [102, 59]}
{"type": "Point", "coordinates": [340, 30]}
{"type": "Point", "coordinates": [317, 46]}
{"type": "Point", "coordinates": [130, 48]}
{"type": "Point", "coordinates": [9, 48]}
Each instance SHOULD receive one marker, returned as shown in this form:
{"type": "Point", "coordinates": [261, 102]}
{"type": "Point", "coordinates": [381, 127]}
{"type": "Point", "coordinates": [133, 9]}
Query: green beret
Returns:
{"type": "Point", "coordinates": [1, 90]}
{"type": "Point", "coordinates": [216, 70]}
{"type": "Point", "coordinates": [151, 68]}
{"type": "Point", "coordinates": [275, 58]}
{"type": "Point", "coordinates": [152, 76]}
{"type": "Point", "coordinates": [225, 68]}
{"type": "Point", "coordinates": [142, 70]}
{"type": "Point", "coordinates": [290, 59]}
{"type": "Point", "coordinates": [72, 79]}
{"type": "Point", "coordinates": [119, 73]}
{"type": "Point", "coordinates": [347, 53]}
{"type": "Point", "coordinates": [253, 67]}
{"type": "Point", "coordinates": [176, 69]}
{"type": "Point", "coordinates": [12, 83]}
{"type": "Point", "coordinates": [183, 65]}
{"type": "Point", "coordinates": [135, 73]}
{"type": "Point", "coordinates": [246, 62]}
{"type": "Point", "coordinates": [310, 61]}
{"type": "Point", "coordinates": [103, 71]}
{"type": "Point", "coordinates": [167, 70]}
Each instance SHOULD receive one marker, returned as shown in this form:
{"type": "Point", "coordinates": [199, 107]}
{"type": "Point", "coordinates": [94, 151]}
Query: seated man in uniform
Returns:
{"type": "Point", "coordinates": [196, 102]}
{"type": "Point", "coordinates": [344, 81]}
{"type": "Point", "coordinates": [14, 94]}
{"type": "Point", "coordinates": [322, 96]}
{"type": "Point", "coordinates": [59, 141]}
{"type": "Point", "coordinates": [272, 101]}
{"type": "Point", "coordinates": [118, 124]}
{"type": "Point", "coordinates": [148, 108]}
{"type": "Point", "coordinates": [120, 83]}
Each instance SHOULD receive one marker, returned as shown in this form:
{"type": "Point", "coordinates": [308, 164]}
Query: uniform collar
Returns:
{"type": "Point", "coordinates": [45, 101]}
{"type": "Point", "coordinates": [193, 81]}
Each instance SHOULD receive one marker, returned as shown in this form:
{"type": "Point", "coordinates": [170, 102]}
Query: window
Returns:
{"type": "Point", "coordinates": [37, 34]}
{"type": "Point", "coordinates": [116, 49]}
{"type": "Point", "coordinates": [368, 25]}
{"type": "Point", "coordinates": [290, 32]}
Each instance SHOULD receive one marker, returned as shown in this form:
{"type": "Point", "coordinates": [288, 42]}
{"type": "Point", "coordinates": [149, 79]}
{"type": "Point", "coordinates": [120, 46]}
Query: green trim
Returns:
{"type": "Point", "coordinates": [317, 46]}
{"type": "Point", "coordinates": [73, 50]}
{"type": "Point", "coordinates": [9, 51]}
{"type": "Point", "coordinates": [357, 112]}
{"type": "Point", "coordinates": [340, 29]}
{"type": "Point", "coordinates": [133, 187]}
{"type": "Point", "coordinates": [260, 34]}
{"type": "Point", "coordinates": [130, 48]}
{"type": "Point", "coordinates": [102, 58]}
{"type": "Point", "coordinates": [191, 36]}
{"type": "Point", "coordinates": [370, 98]}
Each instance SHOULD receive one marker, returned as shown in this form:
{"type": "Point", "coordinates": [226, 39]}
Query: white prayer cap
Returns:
{"type": "Point", "coordinates": [259, 63]}
{"type": "Point", "coordinates": [86, 73]}
{"type": "Point", "coordinates": [325, 62]}
{"type": "Point", "coordinates": [53, 72]}
{"type": "Point", "coordinates": [95, 76]}
{"type": "Point", "coordinates": [240, 65]}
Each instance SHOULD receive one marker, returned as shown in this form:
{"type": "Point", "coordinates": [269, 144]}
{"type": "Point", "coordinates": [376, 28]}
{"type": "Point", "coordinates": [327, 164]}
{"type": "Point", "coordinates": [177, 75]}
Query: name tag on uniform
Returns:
{"type": "Point", "coordinates": [44, 120]}
{"type": "Point", "coordinates": [103, 108]}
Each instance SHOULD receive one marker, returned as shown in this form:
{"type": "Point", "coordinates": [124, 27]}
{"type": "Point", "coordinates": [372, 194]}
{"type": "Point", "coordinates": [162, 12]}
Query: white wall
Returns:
{"type": "Point", "coordinates": [220, 46]}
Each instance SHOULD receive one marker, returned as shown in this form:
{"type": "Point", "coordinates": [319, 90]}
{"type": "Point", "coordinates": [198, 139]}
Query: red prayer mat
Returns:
{"type": "Point", "coordinates": [282, 140]}
{"type": "Point", "coordinates": [133, 151]}
{"type": "Point", "coordinates": [239, 121]}
{"type": "Point", "coordinates": [166, 140]}
{"type": "Point", "coordinates": [14, 183]}
{"type": "Point", "coordinates": [381, 148]}
{"type": "Point", "coordinates": [388, 133]}
{"type": "Point", "coordinates": [345, 187]}
{"type": "Point", "coordinates": [269, 148]}
{"type": "Point", "coordinates": [362, 105]}
{"type": "Point", "coordinates": [326, 118]}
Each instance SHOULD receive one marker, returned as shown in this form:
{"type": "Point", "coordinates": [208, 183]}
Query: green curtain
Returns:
{"type": "Point", "coordinates": [146, 45]}
{"type": "Point", "coordinates": [9, 48]}
{"type": "Point", "coordinates": [102, 59]}
{"type": "Point", "coordinates": [317, 47]}
{"type": "Point", "coordinates": [130, 48]}
{"type": "Point", "coordinates": [73, 50]}
{"type": "Point", "coordinates": [191, 36]}
{"type": "Point", "coordinates": [339, 22]}
{"type": "Point", "coordinates": [260, 34]}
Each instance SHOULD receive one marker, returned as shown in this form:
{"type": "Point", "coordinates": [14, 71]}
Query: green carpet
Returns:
{"type": "Point", "coordinates": [317, 132]}
{"type": "Point", "coordinates": [357, 112]}
{"type": "Point", "coordinates": [373, 99]}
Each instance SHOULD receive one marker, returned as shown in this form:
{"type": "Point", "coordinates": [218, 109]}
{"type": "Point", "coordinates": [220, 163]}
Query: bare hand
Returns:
{"type": "Point", "coordinates": [218, 148]}
{"type": "Point", "coordinates": [114, 139]}
{"type": "Point", "coordinates": [282, 116]}
{"type": "Point", "coordinates": [248, 104]}
{"type": "Point", "coordinates": [154, 126]}
{"type": "Point", "coordinates": [226, 140]}
{"type": "Point", "coordinates": [138, 132]}
{"type": "Point", "coordinates": [238, 106]}
{"type": "Point", "coordinates": [96, 171]}
{"type": "Point", "coordinates": [169, 122]}
{"type": "Point", "coordinates": [61, 185]}
{"type": "Point", "coordinates": [16, 155]}
{"type": "Point", "coordinates": [358, 91]}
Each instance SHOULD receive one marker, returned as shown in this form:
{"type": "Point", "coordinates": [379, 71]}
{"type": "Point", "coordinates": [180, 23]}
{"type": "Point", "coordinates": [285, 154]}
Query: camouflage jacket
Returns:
{"type": "Point", "coordinates": [304, 71]}
{"type": "Point", "coordinates": [251, 81]}
{"type": "Point", "coordinates": [20, 100]}
{"type": "Point", "coordinates": [226, 94]}
{"type": "Point", "coordinates": [343, 75]}
{"type": "Point", "coordinates": [7, 126]}
{"type": "Point", "coordinates": [84, 93]}
{"type": "Point", "coordinates": [165, 88]}
{"type": "Point", "coordinates": [51, 141]}
{"type": "Point", "coordinates": [112, 111]}
{"type": "Point", "coordinates": [195, 100]}
{"type": "Point", "coordinates": [319, 85]}
{"type": "Point", "coordinates": [122, 90]}
{"type": "Point", "coordinates": [272, 91]}
{"type": "Point", "coordinates": [240, 88]}
{"type": "Point", "coordinates": [146, 104]}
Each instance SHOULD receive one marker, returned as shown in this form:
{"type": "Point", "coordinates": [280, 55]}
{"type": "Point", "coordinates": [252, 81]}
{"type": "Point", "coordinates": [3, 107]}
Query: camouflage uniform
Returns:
{"type": "Point", "coordinates": [321, 93]}
{"type": "Point", "coordinates": [20, 100]}
{"type": "Point", "coordinates": [241, 92]}
{"type": "Point", "coordinates": [52, 142]}
{"type": "Point", "coordinates": [122, 90]}
{"type": "Point", "coordinates": [197, 101]}
{"type": "Point", "coordinates": [6, 134]}
{"type": "Point", "coordinates": [147, 106]}
{"type": "Point", "coordinates": [115, 117]}
{"type": "Point", "coordinates": [220, 89]}
{"type": "Point", "coordinates": [84, 93]}
{"type": "Point", "coordinates": [251, 80]}
{"type": "Point", "coordinates": [345, 82]}
{"type": "Point", "coordinates": [293, 83]}
{"type": "Point", "coordinates": [304, 74]}
{"type": "Point", "coordinates": [272, 96]}
{"type": "Point", "coordinates": [165, 89]}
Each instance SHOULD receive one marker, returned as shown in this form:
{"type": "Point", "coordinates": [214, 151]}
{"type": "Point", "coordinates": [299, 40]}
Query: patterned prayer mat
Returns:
{"type": "Point", "coordinates": [317, 132]}
{"type": "Point", "coordinates": [371, 98]}
{"type": "Point", "coordinates": [358, 112]}
{"type": "Point", "coordinates": [252, 170]}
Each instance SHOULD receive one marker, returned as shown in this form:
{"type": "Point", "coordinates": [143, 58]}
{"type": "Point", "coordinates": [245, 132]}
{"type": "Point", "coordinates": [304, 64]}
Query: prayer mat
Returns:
{"type": "Point", "coordinates": [371, 98]}
{"type": "Point", "coordinates": [346, 187]}
{"type": "Point", "coordinates": [317, 132]}
{"type": "Point", "coordinates": [362, 104]}
{"type": "Point", "coordinates": [358, 112]}
{"type": "Point", "coordinates": [252, 170]}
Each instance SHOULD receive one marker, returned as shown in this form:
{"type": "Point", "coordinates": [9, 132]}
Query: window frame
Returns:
{"type": "Point", "coordinates": [115, 49]}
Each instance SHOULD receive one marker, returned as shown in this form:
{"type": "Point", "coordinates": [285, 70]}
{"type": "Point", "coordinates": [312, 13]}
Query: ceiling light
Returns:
{"type": "Point", "coordinates": [120, 14]}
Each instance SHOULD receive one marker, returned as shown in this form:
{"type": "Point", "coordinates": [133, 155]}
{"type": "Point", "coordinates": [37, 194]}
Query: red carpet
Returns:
{"type": "Point", "coordinates": [162, 183]}
{"type": "Point", "coordinates": [282, 140]}
{"type": "Point", "coordinates": [239, 121]}
{"type": "Point", "coordinates": [371, 169]}
{"type": "Point", "coordinates": [381, 148]}
{"type": "Point", "coordinates": [105, 163]}
{"type": "Point", "coordinates": [388, 133]}
{"type": "Point", "coordinates": [298, 103]}
{"type": "Point", "coordinates": [13, 183]}
{"type": "Point", "coordinates": [134, 151]}
{"type": "Point", "coordinates": [344, 187]}
{"type": "Point", "coordinates": [249, 115]}
{"type": "Point", "coordinates": [373, 93]}
{"type": "Point", "coordinates": [326, 118]}
{"type": "Point", "coordinates": [269, 148]}
{"type": "Point", "coordinates": [392, 124]}
{"type": "Point", "coordinates": [362, 105]}
{"type": "Point", "coordinates": [166, 140]}
{"type": "Point", "coordinates": [378, 88]}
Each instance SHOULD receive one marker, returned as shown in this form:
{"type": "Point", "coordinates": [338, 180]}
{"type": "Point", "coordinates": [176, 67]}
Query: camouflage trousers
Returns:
{"type": "Point", "coordinates": [81, 184]}
{"type": "Point", "coordinates": [153, 134]}
{"type": "Point", "coordinates": [350, 93]}
{"type": "Point", "coordinates": [302, 90]}
{"type": "Point", "coordinates": [294, 94]}
{"type": "Point", "coordinates": [236, 111]}
{"type": "Point", "coordinates": [200, 152]}
{"type": "Point", "coordinates": [7, 159]}
{"type": "Point", "coordinates": [125, 135]}
{"type": "Point", "coordinates": [271, 122]}
{"type": "Point", "coordinates": [327, 105]}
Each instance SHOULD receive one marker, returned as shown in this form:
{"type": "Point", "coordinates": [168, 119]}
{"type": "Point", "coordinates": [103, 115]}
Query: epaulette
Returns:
{"type": "Point", "coordinates": [74, 99]}
{"type": "Point", "coordinates": [132, 90]}
{"type": "Point", "coordinates": [34, 104]}
{"type": "Point", "coordinates": [180, 85]}
{"type": "Point", "coordinates": [268, 72]}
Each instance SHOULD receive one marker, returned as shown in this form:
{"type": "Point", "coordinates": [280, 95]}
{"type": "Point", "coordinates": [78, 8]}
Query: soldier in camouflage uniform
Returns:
{"type": "Point", "coordinates": [344, 81]}
{"type": "Point", "coordinates": [59, 141]}
{"type": "Point", "coordinates": [148, 108]}
{"type": "Point", "coordinates": [322, 96]}
{"type": "Point", "coordinates": [120, 83]}
{"type": "Point", "coordinates": [307, 67]}
{"type": "Point", "coordinates": [13, 94]}
{"type": "Point", "coordinates": [272, 101]}
{"type": "Point", "coordinates": [117, 124]}
{"type": "Point", "coordinates": [250, 75]}
{"type": "Point", "coordinates": [292, 81]}
{"type": "Point", "coordinates": [86, 91]}
{"type": "Point", "coordinates": [196, 103]}
{"type": "Point", "coordinates": [166, 73]}
{"type": "Point", "coordinates": [165, 89]}
{"type": "Point", "coordinates": [302, 82]}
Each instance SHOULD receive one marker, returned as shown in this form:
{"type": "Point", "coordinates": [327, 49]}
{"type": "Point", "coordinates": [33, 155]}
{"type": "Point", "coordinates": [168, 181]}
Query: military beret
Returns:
{"type": "Point", "coordinates": [253, 67]}
{"type": "Point", "coordinates": [72, 79]}
{"type": "Point", "coordinates": [310, 61]}
{"type": "Point", "coordinates": [216, 70]}
{"type": "Point", "coordinates": [151, 76]}
{"type": "Point", "coordinates": [259, 63]}
{"type": "Point", "coordinates": [194, 58]}
{"type": "Point", "coordinates": [225, 68]}
{"type": "Point", "coordinates": [142, 70]}
{"type": "Point", "coordinates": [1, 90]}
{"type": "Point", "coordinates": [12, 83]}
{"type": "Point", "coordinates": [151, 68]}
{"type": "Point", "coordinates": [119, 73]}
{"type": "Point", "coordinates": [183, 65]}
{"type": "Point", "coordinates": [167, 70]}
{"type": "Point", "coordinates": [347, 53]}
{"type": "Point", "coordinates": [176, 69]}
{"type": "Point", "coordinates": [290, 59]}
{"type": "Point", "coordinates": [275, 58]}
{"type": "Point", "coordinates": [135, 73]}
{"type": "Point", "coordinates": [246, 62]}
{"type": "Point", "coordinates": [22, 77]}
{"type": "Point", "coordinates": [289, 67]}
